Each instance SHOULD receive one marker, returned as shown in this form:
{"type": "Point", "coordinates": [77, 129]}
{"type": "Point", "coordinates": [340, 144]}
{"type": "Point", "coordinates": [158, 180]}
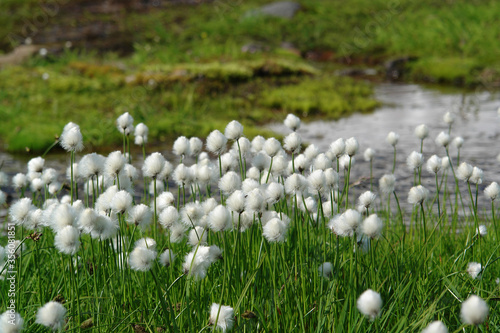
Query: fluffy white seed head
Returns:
{"type": "Point", "coordinates": [19, 181]}
{"type": "Point", "coordinates": [216, 142]}
{"type": "Point", "coordinates": [72, 140]}
{"type": "Point", "coordinates": [326, 270]}
{"type": "Point", "coordinates": [67, 240]}
{"type": "Point", "coordinates": [121, 202]}
{"type": "Point", "coordinates": [177, 232]}
{"type": "Point", "coordinates": [11, 322]}
{"type": "Point", "coordinates": [458, 142]}
{"type": "Point", "coordinates": [91, 165]}
{"type": "Point", "coordinates": [337, 147]}
{"type": "Point", "coordinates": [366, 199]}
{"type": "Point", "coordinates": [275, 230]}
{"type": "Point", "coordinates": [195, 146]}
{"type": "Point", "coordinates": [167, 257]}
{"type": "Point", "coordinates": [474, 310]}
{"type": "Point", "coordinates": [51, 315]}
{"type": "Point", "coordinates": [434, 164]}
{"type": "Point", "coordinates": [351, 146]}
{"type": "Point", "coordinates": [19, 212]}
{"type": "Point", "coordinates": [114, 163]}
{"type": "Point", "coordinates": [332, 178]}
{"type": "Point", "coordinates": [492, 191]}
{"type": "Point", "coordinates": [234, 130]}
{"type": "Point", "coordinates": [482, 230]}
{"type": "Point", "coordinates": [292, 122]}
{"type": "Point", "coordinates": [181, 146]}
{"type": "Point", "coordinates": [168, 217]}
{"type": "Point", "coordinates": [392, 138]}
{"type": "Point", "coordinates": [449, 118]}
{"type": "Point", "coordinates": [236, 201]}
{"type": "Point", "coordinates": [182, 175]}
{"type": "Point", "coordinates": [414, 160]}
{"type": "Point", "coordinates": [274, 193]}
{"type": "Point", "coordinates": [370, 303]}
{"type": "Point", "coordinates": [36, 164]}
{"type": "Point", "coordinates": [140, 215]}
{"type": "Point", "coordinates": [421, 131]}
{"type": "Point", "coordinates": [347, 224]}
{"type": "Point", "coordinates": [372, 226]}
{"type": "Point", "coordinates": [230, 182]}
{"type": "Point", "coordinates": [317, 181]}
{"type": "Point", "coordinates": [223, 316]}
{"type": "Point", "coordinates": [191, 214]}
{"type": "Point", "coordinates": [311, 152]}
{"type": "Point", "coordinates": [295, 183]}
{"type": "Point", "coordinates": [153, 165]}
{"type": "Point", "coordinates": [164, 200]}
{"type": "Point", "coordinates": [345, 160]}
{"type": "Point", "coordinates": [417, 195]}
{"type": "Point", "coordinates": [436, 327]}
{"type": "Point", "coordinates": [474, 269]}
{"type": "Point", "coordinates": [197, 235]}
{"type": "Point", "coordinates": [272, 147]}
{"type": "Point", "coordinates": [301, 164]}
{"type": "Point", "coordinates": [167, 170]}
{"type": "Point", "coordinates": [322, 162]}
{"type": "Point", "coordinates": [258, 143]}
{"type": "Point", "coordinates": [477, 176]}
{"type": "Point", "coordinates": [443, 139]}
{"type": "Point", "coordinates": [142, 259]}
{"type": "Point", "coordinates": [141, 134]}
{"type": "Point", "coordinates": [369, 154]}
{"type": "Point", "coordinates": [292, 143]}
{"type": "Point", "coordinates": [125, 123]}
{"type": "Point", "coordinates": [464, 171]}
{"type": "Point", "coordinates": [219, 219]}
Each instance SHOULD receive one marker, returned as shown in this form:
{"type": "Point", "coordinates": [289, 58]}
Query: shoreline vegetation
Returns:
{"type": "Point", "coordinates": [168, 63]}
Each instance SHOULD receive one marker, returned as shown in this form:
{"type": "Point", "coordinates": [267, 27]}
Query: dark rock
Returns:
{"type": "Point", "coordinates": [284, 9]}
{"type": "Point", "coordinates": [396, 68]}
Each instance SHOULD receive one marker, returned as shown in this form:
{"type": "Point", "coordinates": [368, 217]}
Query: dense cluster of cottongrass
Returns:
{"type": "Point", "coordinates": [260, 237]}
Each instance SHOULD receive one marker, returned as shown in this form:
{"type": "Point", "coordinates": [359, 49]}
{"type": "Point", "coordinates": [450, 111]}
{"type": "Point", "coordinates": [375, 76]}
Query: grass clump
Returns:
{"type": "Point", "coordinates": [333, 97]}
{"type": "Point", "coordinates": [457, 71]}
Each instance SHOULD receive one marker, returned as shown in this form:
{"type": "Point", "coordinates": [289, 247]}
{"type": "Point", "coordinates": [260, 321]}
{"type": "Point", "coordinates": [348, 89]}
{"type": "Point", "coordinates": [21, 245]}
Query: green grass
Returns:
{"type": "Point", "coordinates": [418, 265]}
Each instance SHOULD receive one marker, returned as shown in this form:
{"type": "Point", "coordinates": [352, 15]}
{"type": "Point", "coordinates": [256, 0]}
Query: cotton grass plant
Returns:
{"type": "Point", "coordinates": [253, 236]}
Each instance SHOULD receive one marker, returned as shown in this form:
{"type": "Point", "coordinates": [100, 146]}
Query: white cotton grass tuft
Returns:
{"type": "Point", "coordinates": [482, 230]}
{"type": "Point", "coordinates": [417, 195]}
{"type": "Point", "coordinates": [258, 143]}
{"type": "Point", "coordinates": [346, 224]}
{"type": "Point", "coordinates": [436, 327]}
{"type": "Point", "coordinates": [168, 217]}
{"type": "Point", "coordinates": [366, 199]}
{"type": "Point", "coordinates": [121, 202]}
{"type": "Point", "coordinates": [141, 134]}
{"type": "Point", "coordinates": [326, 270]}
{"type": "Point", "coordinates": [234, 130]}
{"type": "Point", "coordinates": [474, 269]}
{"type": "Point", "coordinates": [369, 154]}
{"type": "Point", "coordinates": [443, 139]}
{"type": "Point", "coordinates": [236, 201]}
{"type": "Point", "coordinates": [337, 148]}
{"type": "Point", "coordinates": [492, 191]}
{"type": "Point", "coordinates": [351, 146]}
{"type": "Point", "coordinates": [114, 163]}
{"type": "Point", "coordinates": [292, 143]}
{"type": "Point", "coordinates": [458, 142]}
{"type": "Point", "coordinates": [216, 142]}
{"type": "Point", "coordinates": [369, 303]}
{"type": "Point", "coordinates": [272, 147]}
{"type": "Point", "coordinates": [372, 226]}
{"type": "Point", "coordinates": [256, 200]}
{"type": "Point", "coordinates": [19, 211]}
{"type": "Point", "coordinates": [36, 164]}
{"type": "Point", "coordinates": [181, 146]}
{"type": "Point", "coordinates": [230, 182]}
{"type": "Point", "coordinates": [477, 176]}
{"type": "Point", "coordinates": [275, 230]}
{"type": "Point", "coordinates": [392, 138]}
{"type": "Point", "coordinates": [146, 242]}
{"type": "Point", "coordinates": [219, 219]}
{"type": "Point", "coordinates": [449, 118]}
{"type": "Point", "coordinates": [125, 123]}
{"type": "Point", "coordinates": [222, 316]}
{"type": "Point", "coordinates": [274, 193]}
{"type": "Point", "coordinates": [11, 322]}
{"type": "Point", "coordinates": [153, 165]}
{"type": "Point", "coordinates": [19, 181]}
{"type": "Point", "coordinates": [167, 257]}
{"type": "Point", "coordinates": [72, 139]}
{"type": "Point", "coordinates": [434, 164]}
{"type": "Point", "coordinates": [464, 171]}
{"type": "Point", "coordinates": [142, 259]}
{"type": "Point", "coordinates": [195, 146]}
{"type": "Point", "coordinates": [197, 236]}
{"type": "Point", "coordinates": [415, 160]}
{"type": "Point", "coordinates": [141, 216]}
{"type": "Point", "coordinates": [474, 310]}
{"type": "Point", "coordinates": [421, 131]}
{"type": "Point", "coordinates": [51, 315]}
{"type": "Point", "coordinates": [67, 240]}
{"type": "Point", "coordinates": [316, 181]}
{"type": "Point", "coordinates": [197, 262]}
{"type": "Point", "coordinates": [292, 122]}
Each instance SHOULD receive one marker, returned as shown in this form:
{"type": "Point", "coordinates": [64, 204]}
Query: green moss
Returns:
{"type": "Point", "coordinates": [461, 71]}
{"type": "Point", "coordinates": [331, 96]}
